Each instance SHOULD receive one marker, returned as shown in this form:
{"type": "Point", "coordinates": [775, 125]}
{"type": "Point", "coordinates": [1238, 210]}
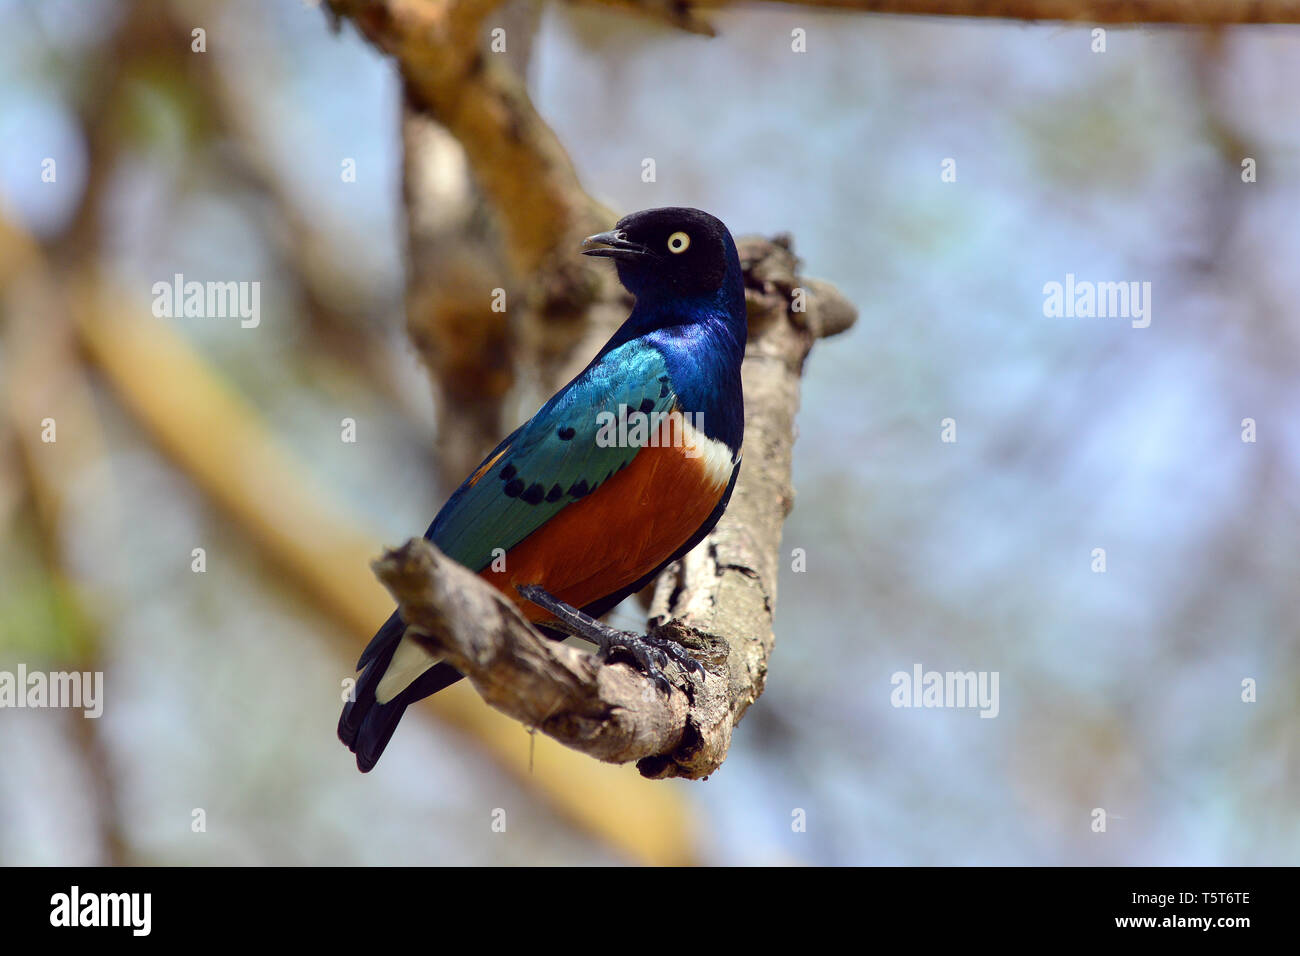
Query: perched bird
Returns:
{"type": "Point", "coordinates": [623, 471]}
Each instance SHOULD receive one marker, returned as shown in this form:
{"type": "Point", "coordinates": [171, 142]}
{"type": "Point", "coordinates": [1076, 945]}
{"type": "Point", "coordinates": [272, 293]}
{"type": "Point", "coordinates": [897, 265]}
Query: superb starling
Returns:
{"type": "Point", "coordinates": [622, 472]}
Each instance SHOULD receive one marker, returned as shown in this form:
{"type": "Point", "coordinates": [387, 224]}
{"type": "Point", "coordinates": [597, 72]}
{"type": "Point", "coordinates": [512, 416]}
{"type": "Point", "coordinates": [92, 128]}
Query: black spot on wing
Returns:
{"type": "Point", "coordinates": [647, 406]}
{"type": "Point", "coordinates": [534, 494]}
{"type": "Point", "coordinates": [507, 473]}
{"type": "Point", "coordinates": [578, 489]}
{"type": "Point", "coordinates": [555, 494]}
{"type": "Point", "coordinates": [565, 432]}
{"type": "Point", "coordinates": [513, 489]}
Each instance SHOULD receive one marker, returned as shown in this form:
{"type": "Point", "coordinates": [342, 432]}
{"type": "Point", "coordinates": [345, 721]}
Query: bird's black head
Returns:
{"type": "Point", "coordinates": [674, 250]}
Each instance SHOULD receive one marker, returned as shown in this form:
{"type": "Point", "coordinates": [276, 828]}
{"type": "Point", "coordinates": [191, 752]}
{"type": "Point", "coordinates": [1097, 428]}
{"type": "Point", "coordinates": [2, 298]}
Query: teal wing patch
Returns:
{"type": "Point", "coordinates": [560, 455]}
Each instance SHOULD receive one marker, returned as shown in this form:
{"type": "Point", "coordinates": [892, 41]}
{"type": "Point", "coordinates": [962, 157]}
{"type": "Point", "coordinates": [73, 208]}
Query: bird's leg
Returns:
{"type": "Point", "coordinates": [650, 653]}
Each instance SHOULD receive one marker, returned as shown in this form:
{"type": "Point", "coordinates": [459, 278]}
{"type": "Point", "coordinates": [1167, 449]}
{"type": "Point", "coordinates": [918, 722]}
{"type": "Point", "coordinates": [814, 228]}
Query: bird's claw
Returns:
{"type": "Point", "coordinates": [651, 655]}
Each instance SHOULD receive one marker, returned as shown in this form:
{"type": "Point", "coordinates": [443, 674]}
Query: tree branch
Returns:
{"type": "Point", "coordinates": [611, 712]}
{"type": "Point", "coordinates": [686, 14]}
{"type": "Point", "coordinates": [538, 211]}
{"type": "Point", "coordinates": [438, 47]}
{"type": "Point", "coordinates": [718, 603]}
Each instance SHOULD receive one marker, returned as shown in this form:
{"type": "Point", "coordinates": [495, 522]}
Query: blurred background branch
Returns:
{"type": "Point", "coordinates": [44, 382]}
{"type": "Point", "coordinates": [509, 197]}
{"type": "Point", "coordinates": [688, 14]}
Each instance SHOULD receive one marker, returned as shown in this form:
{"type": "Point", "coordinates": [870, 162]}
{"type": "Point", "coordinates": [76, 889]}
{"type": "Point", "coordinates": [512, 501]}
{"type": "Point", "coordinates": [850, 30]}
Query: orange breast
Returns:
{"type": "Point", "coordinates": [615, 535]}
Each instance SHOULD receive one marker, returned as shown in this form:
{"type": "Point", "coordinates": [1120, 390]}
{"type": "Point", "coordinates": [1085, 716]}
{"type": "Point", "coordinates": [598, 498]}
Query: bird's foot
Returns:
{"type": "Point", "coordinates": [651, 654]}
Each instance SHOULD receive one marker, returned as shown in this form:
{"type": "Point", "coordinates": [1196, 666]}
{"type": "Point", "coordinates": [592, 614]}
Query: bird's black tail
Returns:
{"type": "Point", "coordinates": [366, 725]}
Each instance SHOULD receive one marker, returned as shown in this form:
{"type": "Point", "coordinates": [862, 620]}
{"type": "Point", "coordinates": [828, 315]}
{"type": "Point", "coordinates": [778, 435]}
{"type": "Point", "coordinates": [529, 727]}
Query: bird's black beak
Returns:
{"type": "Point", "coordinates": [614, 245]}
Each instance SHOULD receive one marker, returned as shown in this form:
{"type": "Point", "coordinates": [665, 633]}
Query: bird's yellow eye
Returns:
{"type": "Point", "coordinates": [679, 242]}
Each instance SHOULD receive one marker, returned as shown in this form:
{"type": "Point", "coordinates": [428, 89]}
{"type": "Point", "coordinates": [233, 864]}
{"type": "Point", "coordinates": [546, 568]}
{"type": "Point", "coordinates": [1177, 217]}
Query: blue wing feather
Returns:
{"type": "Point", "coordinates": [553, 459]}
